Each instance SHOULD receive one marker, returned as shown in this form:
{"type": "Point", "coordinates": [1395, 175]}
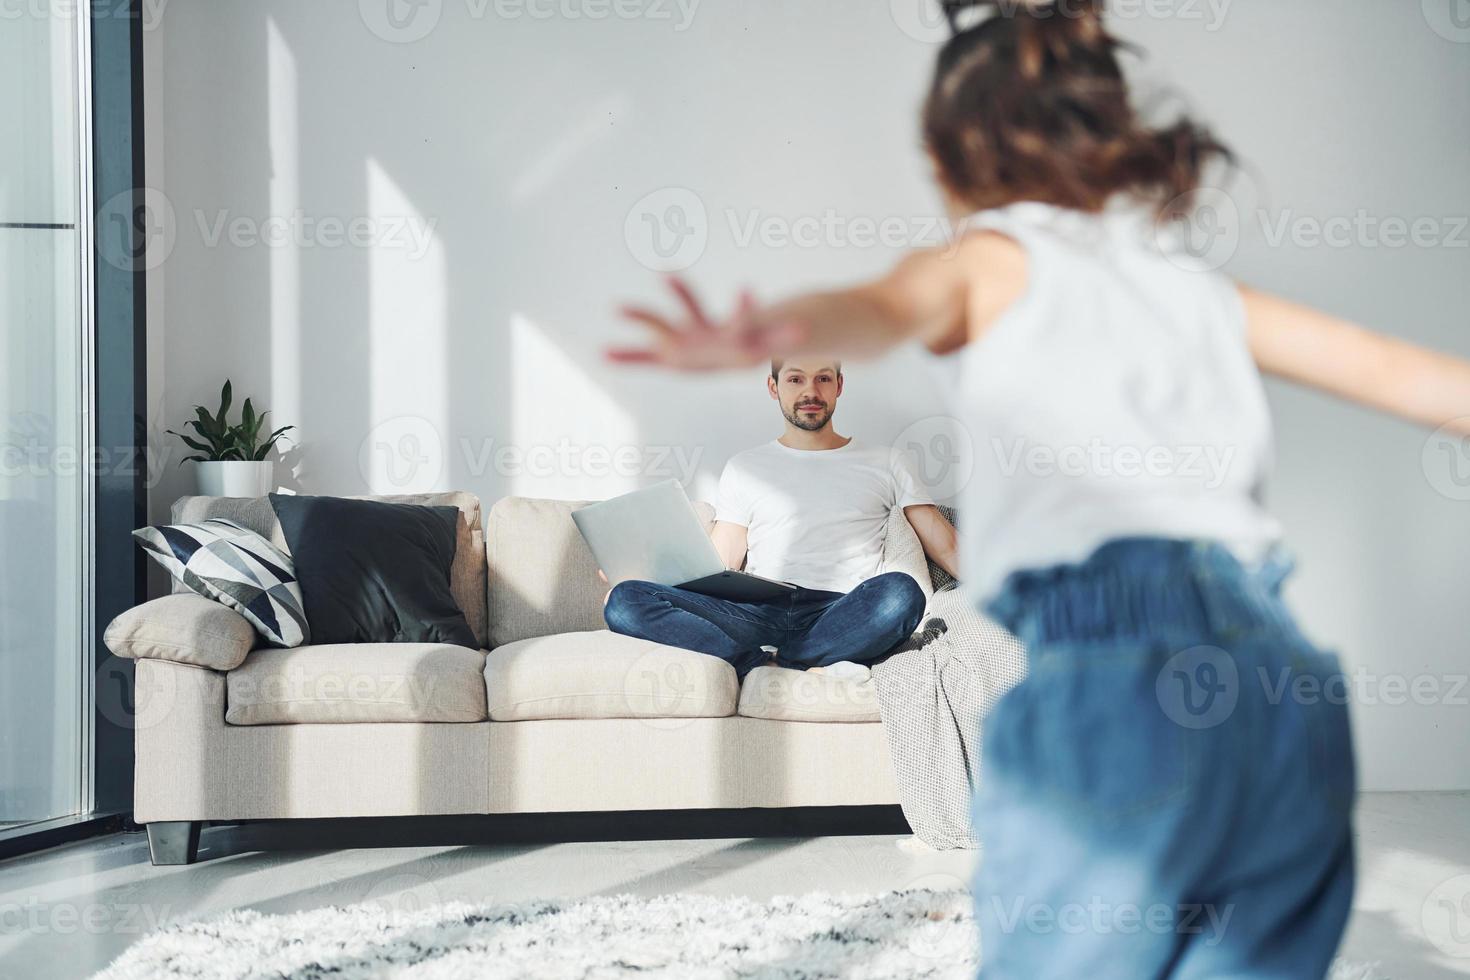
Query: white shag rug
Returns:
{"type": "Point", "coordinates": [909, 934]}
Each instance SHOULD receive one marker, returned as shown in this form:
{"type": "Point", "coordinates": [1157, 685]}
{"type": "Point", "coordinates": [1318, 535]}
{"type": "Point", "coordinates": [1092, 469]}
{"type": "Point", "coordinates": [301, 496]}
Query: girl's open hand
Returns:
{"type": "Point", "coordinates": [695, 342]}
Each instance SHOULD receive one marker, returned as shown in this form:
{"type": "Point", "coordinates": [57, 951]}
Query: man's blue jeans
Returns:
{"type": "Point", "coordinates": [809, 628]}
{"type": "Point", "coordinates": [1169, 792]}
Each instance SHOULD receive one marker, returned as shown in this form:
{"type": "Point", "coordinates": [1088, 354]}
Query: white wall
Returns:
{"type": "Point", "coordinates": [501, 159]}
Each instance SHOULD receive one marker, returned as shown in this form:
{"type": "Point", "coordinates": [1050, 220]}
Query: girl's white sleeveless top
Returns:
{"type": "Point", "coordinates": [1116, 398]}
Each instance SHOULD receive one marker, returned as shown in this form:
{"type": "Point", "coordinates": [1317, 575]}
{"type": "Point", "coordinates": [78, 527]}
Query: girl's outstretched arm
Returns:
{"type": "Point", "coordinates": [1395, 376]}
{"type": "Point", "coordinates": [942, 297]}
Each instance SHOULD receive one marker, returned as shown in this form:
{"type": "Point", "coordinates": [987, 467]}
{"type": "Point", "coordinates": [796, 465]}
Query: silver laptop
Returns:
{"type": "Point", "coordinates": [654, 535]}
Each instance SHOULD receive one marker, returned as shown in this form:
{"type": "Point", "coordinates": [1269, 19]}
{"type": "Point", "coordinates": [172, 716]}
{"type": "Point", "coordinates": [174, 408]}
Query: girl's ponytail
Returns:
{"type": "Point", "coordinates": [1029, 103]}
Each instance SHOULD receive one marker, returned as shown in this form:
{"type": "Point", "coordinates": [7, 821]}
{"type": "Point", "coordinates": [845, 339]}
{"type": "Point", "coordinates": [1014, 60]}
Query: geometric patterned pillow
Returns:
{"type": "Point", "coordinates": [233, 565]}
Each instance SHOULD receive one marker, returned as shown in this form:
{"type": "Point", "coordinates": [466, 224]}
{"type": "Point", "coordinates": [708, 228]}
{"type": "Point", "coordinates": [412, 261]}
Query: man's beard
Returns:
{"type": "Point", "coordinates": [810, 423]}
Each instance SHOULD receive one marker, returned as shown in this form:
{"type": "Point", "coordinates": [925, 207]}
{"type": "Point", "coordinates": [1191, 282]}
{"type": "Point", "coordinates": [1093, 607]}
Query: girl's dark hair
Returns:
{"type": "Point", "coordinates": [1031, 105]}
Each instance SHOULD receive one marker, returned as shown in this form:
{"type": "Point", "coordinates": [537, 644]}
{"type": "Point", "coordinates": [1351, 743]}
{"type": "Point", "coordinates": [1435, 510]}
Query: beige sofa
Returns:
{"type": "Point", "coordinates": [554, 714]}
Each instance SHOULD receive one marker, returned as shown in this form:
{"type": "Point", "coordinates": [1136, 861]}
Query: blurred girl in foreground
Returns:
{"type": "Point", "coordinates": [1160, 798]}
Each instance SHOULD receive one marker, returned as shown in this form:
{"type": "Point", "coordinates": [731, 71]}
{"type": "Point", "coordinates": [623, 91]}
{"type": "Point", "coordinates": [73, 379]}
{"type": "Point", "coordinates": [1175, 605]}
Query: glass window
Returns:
{"type": "Point", "coordinates": [43, 590]}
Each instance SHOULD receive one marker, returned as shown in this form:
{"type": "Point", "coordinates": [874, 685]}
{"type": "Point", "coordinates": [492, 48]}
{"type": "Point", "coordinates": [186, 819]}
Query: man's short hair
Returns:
{"type": "Point", "coordinates": [776, 363]}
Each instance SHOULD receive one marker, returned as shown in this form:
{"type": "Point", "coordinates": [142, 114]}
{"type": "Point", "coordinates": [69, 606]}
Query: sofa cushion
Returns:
{"type": "Point", "coordinates": [542, 577]}
{"type": "Point", "coordinates": [782, 694]}
{"type": "Point", "coordinates": [601, 674]}
{"type": "Point", "coordinates": [374, 572]}
{"type": "Point", "coordinates": [187, 629]}
{"type": "Point", "coordinates": [357, 682]}
{"type": "Point", "coordinates": [466, 575]}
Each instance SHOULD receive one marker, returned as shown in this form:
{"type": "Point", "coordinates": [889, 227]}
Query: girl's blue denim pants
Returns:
{"type": "Point", "coordinates": [1169, 792]}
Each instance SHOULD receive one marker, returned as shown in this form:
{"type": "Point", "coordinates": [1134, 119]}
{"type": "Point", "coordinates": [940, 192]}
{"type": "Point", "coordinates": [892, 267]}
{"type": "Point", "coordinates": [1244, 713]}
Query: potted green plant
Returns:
{"type": "Point", "coordinates": [230, 459]}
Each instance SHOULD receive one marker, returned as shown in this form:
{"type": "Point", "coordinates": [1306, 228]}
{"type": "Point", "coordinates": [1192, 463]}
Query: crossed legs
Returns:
{"type": "Point", "coordinates": [810, 629]}
{"type": "Point", "coordinates": [732, 631]}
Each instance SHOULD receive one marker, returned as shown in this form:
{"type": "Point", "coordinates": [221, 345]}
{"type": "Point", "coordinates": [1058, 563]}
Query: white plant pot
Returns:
{"type": "Point", "coordinates": [234, 477]}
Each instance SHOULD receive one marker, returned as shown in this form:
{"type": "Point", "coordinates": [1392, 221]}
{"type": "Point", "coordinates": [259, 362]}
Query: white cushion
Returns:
{"type": "Point", "coordinates": [782, 694]}
{"type": "Point", "coordinates": [187, 629]}
{"type": "Point", "coordinates": [357, 682]}
{"type": "Point", "coordinates": [542, 576]}
{"type": "Point", "coordinates": [903, 552]}
{"type": "Point", "coordinates": [601, 674]}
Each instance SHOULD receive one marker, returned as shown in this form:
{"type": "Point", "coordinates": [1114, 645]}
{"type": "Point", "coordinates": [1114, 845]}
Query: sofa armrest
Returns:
{"type": "Point", "coordinates": [184, 628]}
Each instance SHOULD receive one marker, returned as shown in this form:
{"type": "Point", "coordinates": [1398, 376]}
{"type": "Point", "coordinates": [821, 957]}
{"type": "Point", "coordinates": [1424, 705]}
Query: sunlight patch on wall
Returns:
{"type": "Point", "coordinates": [408, 448]}
{"type": "Point", "coordinates": [285, 198]}
{"type": "Point", "coordinates": [569, 438]}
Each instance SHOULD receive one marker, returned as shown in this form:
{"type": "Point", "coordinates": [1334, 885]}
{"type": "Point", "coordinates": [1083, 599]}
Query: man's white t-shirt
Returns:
{"type": "Point", "coordinates": [815, 518]}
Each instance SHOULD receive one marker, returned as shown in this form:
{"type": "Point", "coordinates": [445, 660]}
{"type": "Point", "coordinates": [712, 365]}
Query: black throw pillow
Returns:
{"type": "Point", "coordinates": [373, 572]}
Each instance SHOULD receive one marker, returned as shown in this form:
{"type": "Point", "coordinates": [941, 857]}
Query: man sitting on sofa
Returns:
{"type": "Point", "coordinates": [809, 508]}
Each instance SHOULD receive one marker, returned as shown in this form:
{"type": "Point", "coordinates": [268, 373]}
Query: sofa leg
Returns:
{"type": "Point", "coordinates": [173, 841]}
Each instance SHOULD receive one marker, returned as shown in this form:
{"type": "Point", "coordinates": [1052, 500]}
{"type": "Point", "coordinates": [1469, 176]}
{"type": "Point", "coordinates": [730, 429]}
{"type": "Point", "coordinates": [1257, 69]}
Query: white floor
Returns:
{"type": "Point", "coordinates": [69, 911]}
